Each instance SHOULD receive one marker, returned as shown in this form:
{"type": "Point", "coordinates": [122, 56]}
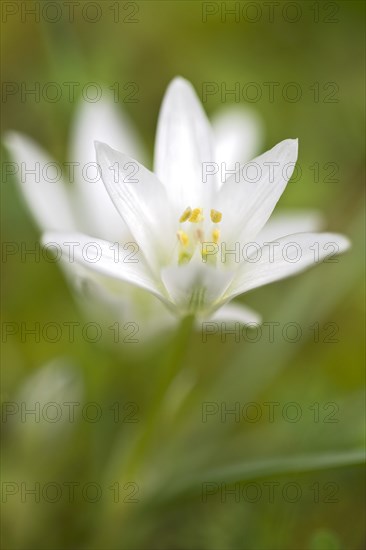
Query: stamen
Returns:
{"type": "Point", "coordinates": [188, 240]}
{"type": "Point", "coordinates": [200, 235]}
{"type": "Point", "coordinates": [184, 258]}
{"type": "Point", "coordinates": [196, 215]}
{"type": "Point", "coordinates": [216, 216]}
{"type": "Point", "coordinates": [209, 253]}
{"type": "Point", "coordinates": [215, 236]}
{"type": "Point", "coordinates": [183, 238]}
{"type": "Point", "coordinates": [184, 217]}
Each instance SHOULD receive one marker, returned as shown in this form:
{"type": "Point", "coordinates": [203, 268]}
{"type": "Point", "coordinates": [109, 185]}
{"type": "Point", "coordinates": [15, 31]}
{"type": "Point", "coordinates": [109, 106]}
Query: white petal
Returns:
{"type": "Point", "coordinates": [196, 287]}
{"type": "Point", "coordinates": [103, 257]}
{"type": "Point", "coordinates": [236, 313]}
{"type": "Point", "coordinates": [101, 121]}
{"type": "Point", "coordinates": [45, 193]}
{"type": "Point", "coordinates": [291, 255]}
{"type": "Point", "coordinates": [247, 200]}
{"type": "Point", "coordinates": [141, 201]}
{"type": "Point", "coordinates": [289, 222]}
{"type": "Point", "coordinates": [183, 142]}
{"type": "Point", "coordinates": [238, 136]}
{"type": "Point", "coordinates": [104, 120]}
{"type": "Point", "coordinates": [110, 300]}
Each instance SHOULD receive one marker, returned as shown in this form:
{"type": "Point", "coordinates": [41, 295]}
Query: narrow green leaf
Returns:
{"type": "Point", "coordinates": [266, 468]}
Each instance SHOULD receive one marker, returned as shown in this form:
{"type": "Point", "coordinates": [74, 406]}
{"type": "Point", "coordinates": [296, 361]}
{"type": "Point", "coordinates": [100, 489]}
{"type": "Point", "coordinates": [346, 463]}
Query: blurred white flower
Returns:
{"type": "Point", "coordinates": [192, 232]}
{"type": "Point", "coordinates": [81, 203]}
{"type": "Point", "coordinates": [41, 411]}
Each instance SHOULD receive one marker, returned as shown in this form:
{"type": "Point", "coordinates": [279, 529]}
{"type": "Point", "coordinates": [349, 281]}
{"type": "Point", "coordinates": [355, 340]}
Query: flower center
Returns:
{"type": "Point", "coordinates": [189, 236]}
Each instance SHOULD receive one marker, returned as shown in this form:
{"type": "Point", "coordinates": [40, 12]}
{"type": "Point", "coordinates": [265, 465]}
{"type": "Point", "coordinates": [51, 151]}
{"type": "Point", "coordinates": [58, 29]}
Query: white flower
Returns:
{"type": "Point", "coordinates": [185, 226]}
{"type": "Point", "coordinates": [85, 205]}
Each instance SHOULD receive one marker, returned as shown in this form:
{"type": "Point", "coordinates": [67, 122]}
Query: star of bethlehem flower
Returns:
{"type": "Point", "coordinates": [182, 223]}
{"type": "Point", "coordinates": [78, 201]}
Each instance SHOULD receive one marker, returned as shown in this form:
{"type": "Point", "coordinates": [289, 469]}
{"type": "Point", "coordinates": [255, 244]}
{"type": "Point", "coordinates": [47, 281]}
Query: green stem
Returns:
{"type": "Point", "coordinates": [169, 368]}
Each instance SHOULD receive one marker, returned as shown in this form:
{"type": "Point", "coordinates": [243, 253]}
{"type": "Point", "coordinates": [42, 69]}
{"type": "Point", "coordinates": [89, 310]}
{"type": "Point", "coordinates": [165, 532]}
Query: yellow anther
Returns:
{"type": "Point", "coordinates": [183, 238]}
{"type": "Point", "coordinates": [196, 237]}
{"type": "Point", "coordinates": [216, 216]}
{"type": "Point", "coordinates": [196, 215]}
{"type": "Point", "coordinates": [184, 217]}
{"type": "Point", "coordinates": [215, 236]}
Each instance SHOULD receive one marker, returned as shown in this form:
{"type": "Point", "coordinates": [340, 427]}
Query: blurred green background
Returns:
{"type": "Point", "coordinates": [319, 452]}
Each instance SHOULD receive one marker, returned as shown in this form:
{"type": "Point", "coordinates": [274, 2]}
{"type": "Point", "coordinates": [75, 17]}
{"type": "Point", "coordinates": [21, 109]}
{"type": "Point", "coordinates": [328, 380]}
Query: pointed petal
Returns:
{"type": "Point", "coordinates": [236, 313]}
{"type": "Point", "coordinates": [44, 192]}
{"type": "Point", "coordinates": [248, 199]}
{"type": "Point", "coordinates": [102, 121]}
{"type": "Point", "coordinates": [183, 142]}
{"type": "Point", "coordinates": [103, 257]}
{"type": "Point", "coordinates": [195, 287]}
{"type": "Point", "coordinates": [238, 136]}
{"type": "Point", "coordinates": [289, 222]}
{"type": "Point", "coordinates": [112, 299]}
{"type": "Point", "coordinates": [290, 255]}
{"type": "Point", "coordinates": [141, 200]}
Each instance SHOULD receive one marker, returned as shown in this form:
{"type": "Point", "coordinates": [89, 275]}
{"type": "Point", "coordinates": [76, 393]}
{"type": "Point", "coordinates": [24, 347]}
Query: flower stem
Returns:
{"type": "Point", "coordinates": [169, 368]}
